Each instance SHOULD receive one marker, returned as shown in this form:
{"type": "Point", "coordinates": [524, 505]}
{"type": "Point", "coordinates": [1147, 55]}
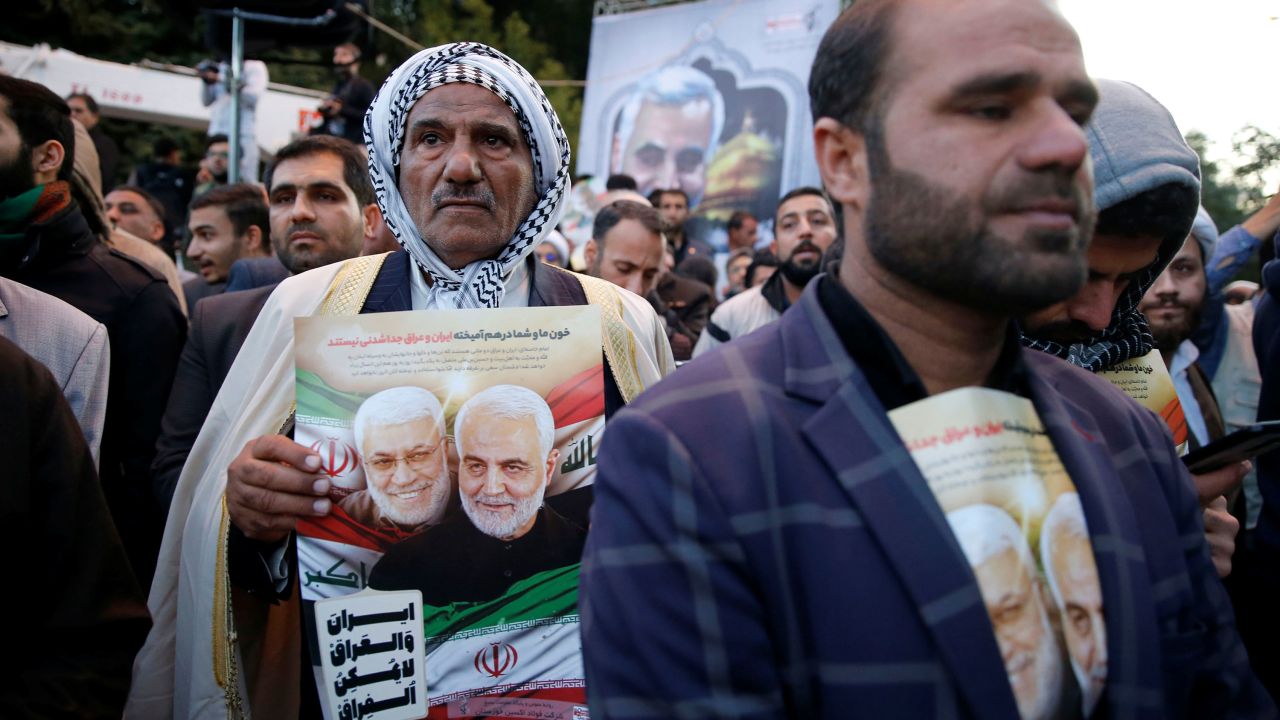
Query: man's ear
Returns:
{"type": "Point", "coordinates": [552, 457]}
{"type": "Point", "coordinates": [589, 253]}
{"type": "Point", "coordinates": [47, 159]}
{"type": "Point", "coordinates": [842, 161]}
{"type": "Point", "coordinates": [254, 237]}
{"type": "Point", "coordinates": [372, 218]}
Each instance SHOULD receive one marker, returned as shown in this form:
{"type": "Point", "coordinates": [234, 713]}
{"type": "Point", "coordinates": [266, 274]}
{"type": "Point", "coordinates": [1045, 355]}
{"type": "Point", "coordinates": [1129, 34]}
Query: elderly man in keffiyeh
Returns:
{"type": "Point", "coordinates": [470, 165]}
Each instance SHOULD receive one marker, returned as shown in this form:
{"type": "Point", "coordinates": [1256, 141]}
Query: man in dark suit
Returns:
{"type": "Point", "coordinates": [799, 563]}
{"type": "Point", "coordinates": [322, 209]}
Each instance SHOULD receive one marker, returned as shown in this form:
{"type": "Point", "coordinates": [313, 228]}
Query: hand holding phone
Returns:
{"type": "Point", "coordinates": [1242, 444]}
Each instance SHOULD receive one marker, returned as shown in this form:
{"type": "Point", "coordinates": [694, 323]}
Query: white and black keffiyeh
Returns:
{"type": "Point", "coordinates": [1127, 336]}
{"type": "Point", "coordinates": [479, 284]}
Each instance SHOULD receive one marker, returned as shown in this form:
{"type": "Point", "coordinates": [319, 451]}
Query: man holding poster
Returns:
{"type": "Point", "coordinates": [470, 167]}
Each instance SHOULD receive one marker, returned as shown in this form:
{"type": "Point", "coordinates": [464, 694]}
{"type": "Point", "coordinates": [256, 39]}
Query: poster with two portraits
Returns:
{"type": "Point", "coordinates": [461, 449]}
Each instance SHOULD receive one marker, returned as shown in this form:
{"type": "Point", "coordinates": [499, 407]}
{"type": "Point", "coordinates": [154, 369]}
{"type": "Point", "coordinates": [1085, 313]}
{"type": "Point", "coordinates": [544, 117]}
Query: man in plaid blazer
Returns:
{"type": "Point", "coordinates": [763, 544]}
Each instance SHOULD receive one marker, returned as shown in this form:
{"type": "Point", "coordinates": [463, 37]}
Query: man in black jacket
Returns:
{"type": "Point", "coordinates": [46, 242]}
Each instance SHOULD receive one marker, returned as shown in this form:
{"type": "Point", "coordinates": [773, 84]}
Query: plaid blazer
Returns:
{"type": "Point", "coordinates": [763, 546]}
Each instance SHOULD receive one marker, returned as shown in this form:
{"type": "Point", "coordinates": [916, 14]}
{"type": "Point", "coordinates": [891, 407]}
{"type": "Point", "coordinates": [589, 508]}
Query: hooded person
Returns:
{"type": "Point", "coordinates": [468, 213]}
{"type": "Point", "coordinates": [86, 184]}
{"type": "Point", "coordinates": [1147, 191]}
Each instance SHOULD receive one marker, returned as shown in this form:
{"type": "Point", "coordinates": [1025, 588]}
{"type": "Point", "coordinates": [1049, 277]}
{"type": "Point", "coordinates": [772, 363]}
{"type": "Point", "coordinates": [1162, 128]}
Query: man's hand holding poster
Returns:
{"type": "Point", "coordinates": [461, 449]}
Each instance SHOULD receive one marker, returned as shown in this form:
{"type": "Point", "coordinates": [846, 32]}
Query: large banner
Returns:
{"type": "Point", "coordinates": [710, 97]}
{"type": "Point", "coordinates": [461, 446]}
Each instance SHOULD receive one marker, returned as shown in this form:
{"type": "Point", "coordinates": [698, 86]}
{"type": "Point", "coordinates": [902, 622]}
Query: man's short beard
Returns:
{"type": "Point", "coordinates": [798, 274]}
{"type": "Point", "coordinates": [297, 262]}
{"type": "Point", "coordinates": [1169, 336]}
{"type": "Point", "coordinates": [426, 510]}
{"type": "Point", "coordinates": [1048, 672]}
{"type": "Point", "coordinates": [18, 176]}
{"type": "Point", "coordinates": [933, 239]}
{"type": "Point", "coordinates": [494, 525]}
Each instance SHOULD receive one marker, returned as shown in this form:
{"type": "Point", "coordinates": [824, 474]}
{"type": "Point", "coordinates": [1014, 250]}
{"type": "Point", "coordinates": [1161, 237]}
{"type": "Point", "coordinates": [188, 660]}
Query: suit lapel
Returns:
{"type": "Point", "coordinates": [552, 287]}
{"type": "Point", "coordinates": [390, 291]}
{"type": "Point", "coordinates": [852, 435]}
{"type": "Point", "coordinates": [1128, 609]}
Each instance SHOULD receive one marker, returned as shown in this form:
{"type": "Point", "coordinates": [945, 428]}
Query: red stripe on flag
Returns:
{"type": "Point", "coordinates": [340, 527]}
{"type": "Point", "coordinates": [579, 398]}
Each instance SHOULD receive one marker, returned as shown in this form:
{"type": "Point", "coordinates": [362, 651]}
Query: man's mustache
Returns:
{"type": "Point", "coordinates": [304, 228]}
{"type": "Point", "coordinates": [805, 245]}
{"type": "Point", "coordinates": [1170, 305]}
{"type": "Point", "coordinates": [480, 196]}
{"type": "Point", "coordinates": [1042, 187]}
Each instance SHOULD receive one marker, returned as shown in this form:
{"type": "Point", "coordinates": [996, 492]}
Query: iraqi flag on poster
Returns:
{"type": "Point", "coordinates": [516, 656]}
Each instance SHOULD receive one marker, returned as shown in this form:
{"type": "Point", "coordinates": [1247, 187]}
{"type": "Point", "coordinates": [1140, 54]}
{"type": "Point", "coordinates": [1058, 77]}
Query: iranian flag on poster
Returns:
{"type": "Point", "coordinates": [523, 648]}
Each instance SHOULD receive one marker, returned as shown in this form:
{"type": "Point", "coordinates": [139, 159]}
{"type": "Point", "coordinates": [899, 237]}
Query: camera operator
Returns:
{"type": "Point", "coordinates": [344, 109]}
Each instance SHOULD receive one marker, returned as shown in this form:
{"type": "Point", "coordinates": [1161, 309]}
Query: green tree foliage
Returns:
{"type": "Point", "coordinates": [118, 30]}
{"type": "Point", "coordinates": [435, 22]}
{"type": "Point", "coordinates": [1220, 194]}
{"type": "Point", "coordinates": [1259, 154]}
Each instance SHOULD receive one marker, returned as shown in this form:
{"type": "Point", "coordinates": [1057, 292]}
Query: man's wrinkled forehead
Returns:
{"type": "Point", "coordinates": [477, 105]}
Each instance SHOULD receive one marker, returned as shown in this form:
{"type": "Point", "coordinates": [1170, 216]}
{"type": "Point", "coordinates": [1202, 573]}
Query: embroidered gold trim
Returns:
{"type": "Point", "coordinates": [619, 342]}
{"type": "Point", "coordinates": [346, 295]}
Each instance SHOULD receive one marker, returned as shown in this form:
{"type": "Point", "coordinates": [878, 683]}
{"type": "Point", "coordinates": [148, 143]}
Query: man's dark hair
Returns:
{"type": "Point", "coordinates": [354, 48]}
{"type": "Point", "coordinates": [762, 258]}
{"type": "Point", "coordinates": [163, 148]}
{"type": "Point", "coordinates": [89, 102]}
{"type": "Point", "coordinates": [156, 205]}
{"type": "Point", "coordinates": [243, 203]}
{"type": "Point", "coordinates": [1160, 212]}
{"type": "Point", "coordinates": [848, 73]}
{"type": "Point", "coordinates": [620, 182]}
{"type": "Point", "coordinates": [801, 192]}
{"type": "Point", "coordinates": [738, 218]}
{"type": "Point", "coordinates": [214, 140]}
{"type": "Point", "coordinates": [355, 171]}
{"type": "Point", "coordinates": [40, 116]}
{"type": "Point", "coordinates": [700, 268]}
{"type": "Point", "coordinates": [615, 212]}
{"type": "Point", "coordinates": [655, 197]}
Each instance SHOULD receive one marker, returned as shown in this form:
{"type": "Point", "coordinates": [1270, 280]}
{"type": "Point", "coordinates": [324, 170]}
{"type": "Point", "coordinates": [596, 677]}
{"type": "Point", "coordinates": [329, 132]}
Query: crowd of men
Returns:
{"type": "Point", "coordinates": [758, 541]}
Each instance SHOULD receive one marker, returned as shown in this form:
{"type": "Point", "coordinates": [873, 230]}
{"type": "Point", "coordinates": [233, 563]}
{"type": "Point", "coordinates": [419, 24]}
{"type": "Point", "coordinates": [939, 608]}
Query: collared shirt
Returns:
{"type": "Point", "coordinates": [888, 373]}
{"type": "Point", "coordinates": [516, 295]}
{"type": "Point", "coordinates": [1181, 361]}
